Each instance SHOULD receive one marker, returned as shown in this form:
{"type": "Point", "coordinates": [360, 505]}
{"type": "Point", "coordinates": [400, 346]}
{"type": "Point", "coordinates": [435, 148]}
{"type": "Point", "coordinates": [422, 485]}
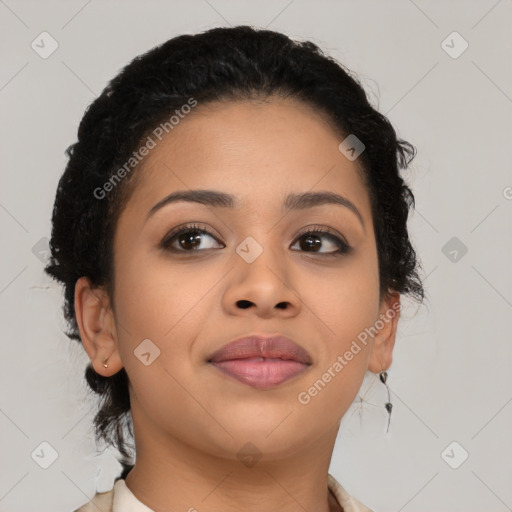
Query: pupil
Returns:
{"type": "Point", "coordinates": [189, 238]}
{"type": "Point", "coordinates": [312, 241]}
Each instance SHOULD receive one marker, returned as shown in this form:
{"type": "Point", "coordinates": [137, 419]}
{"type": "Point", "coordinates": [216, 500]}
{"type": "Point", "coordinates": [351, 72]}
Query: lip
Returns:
{"type": "Point", "coordinates": [261, 361]}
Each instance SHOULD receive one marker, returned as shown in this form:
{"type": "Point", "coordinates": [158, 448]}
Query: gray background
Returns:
{"type": "Point", "coordinates": [451, 375]}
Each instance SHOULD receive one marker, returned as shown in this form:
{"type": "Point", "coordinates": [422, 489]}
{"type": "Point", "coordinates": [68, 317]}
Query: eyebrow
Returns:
{"type": "Point", "coordinates": [219, 199]}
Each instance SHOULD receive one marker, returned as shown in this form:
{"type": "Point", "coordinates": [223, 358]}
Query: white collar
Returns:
{"type": "Point", "coordinates": [125, 500]}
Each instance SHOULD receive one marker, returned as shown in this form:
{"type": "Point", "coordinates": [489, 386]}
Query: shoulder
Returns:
{"type": "Point", "coordinates": [347, 502]}
{"type": "Point", "coordinates": [101, 501]}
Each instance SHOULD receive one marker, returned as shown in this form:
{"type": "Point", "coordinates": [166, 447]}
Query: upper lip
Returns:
{"type": "Point", "coordinates": [268, 347]}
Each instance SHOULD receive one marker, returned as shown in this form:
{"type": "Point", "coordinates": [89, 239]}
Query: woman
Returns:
{"type": "Point", "coordinates": [231, 234]}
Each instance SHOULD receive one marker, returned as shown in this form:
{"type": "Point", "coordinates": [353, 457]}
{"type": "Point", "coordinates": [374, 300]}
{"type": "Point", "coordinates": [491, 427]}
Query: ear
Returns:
{"type": "Point", "coordinates": [384, 341]}
{"type": "Point", "coordinates": [96, 324]}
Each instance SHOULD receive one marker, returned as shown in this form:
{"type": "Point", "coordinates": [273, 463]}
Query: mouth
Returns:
{"type": "Point", "coordinates": [261, 361]}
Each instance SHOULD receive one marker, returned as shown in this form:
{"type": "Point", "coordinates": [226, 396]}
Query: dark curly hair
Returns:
{"type": "Point", "coordinates": [221, 64]}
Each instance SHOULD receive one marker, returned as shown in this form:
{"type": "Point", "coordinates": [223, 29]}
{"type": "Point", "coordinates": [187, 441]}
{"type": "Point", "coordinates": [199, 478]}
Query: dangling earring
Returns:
{"type": "Point", "coordinates": [383, 375]}
{"type": "Point", "coordinates": [105, 362]}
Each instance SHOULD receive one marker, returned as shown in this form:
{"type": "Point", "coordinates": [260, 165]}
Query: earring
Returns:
{"type": "Point", "coordinates": [383, 375]}
{"type": "Point", "coordinates": [105, 362]}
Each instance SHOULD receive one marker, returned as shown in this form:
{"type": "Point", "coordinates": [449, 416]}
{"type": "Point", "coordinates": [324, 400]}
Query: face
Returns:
{"type": "Point", "coordinates": [254, 270]}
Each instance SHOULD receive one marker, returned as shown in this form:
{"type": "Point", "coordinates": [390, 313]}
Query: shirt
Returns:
{"type": "Point", "coordinates": [121, 499]}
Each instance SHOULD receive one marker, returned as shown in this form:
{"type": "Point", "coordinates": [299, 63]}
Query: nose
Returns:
{"type": "Point", "coordinates": [262, 287]}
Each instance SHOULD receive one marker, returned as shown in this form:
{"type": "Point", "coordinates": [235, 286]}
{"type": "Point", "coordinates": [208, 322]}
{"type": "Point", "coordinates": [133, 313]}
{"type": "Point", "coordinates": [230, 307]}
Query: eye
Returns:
{"type": "Point", "coordinates": [311, 239]}
{"type": "Point", "coordinates": [186, 239]}
{"type": "Point", "coordinates": [189, 238]}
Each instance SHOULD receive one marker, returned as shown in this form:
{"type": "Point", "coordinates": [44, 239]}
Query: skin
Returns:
{"type": "Point", "coordinates": [190, 420]}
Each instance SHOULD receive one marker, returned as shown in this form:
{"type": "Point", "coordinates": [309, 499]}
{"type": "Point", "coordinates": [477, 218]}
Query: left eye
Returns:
{"type": "Point", "coordinates": [311, 239]}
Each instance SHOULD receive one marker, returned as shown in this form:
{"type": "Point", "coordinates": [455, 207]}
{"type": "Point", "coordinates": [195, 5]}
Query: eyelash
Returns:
{"type": "Point", "coordinates": [343, 247]}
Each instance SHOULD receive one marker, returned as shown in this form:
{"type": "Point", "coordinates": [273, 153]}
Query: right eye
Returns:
{"type": "Point", "coordinates": [186, 239]}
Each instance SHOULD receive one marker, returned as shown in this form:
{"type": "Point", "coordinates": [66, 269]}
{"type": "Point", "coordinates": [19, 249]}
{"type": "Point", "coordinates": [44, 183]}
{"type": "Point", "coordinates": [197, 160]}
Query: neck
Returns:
{"type": "Point", "coordinates": [169, 474]}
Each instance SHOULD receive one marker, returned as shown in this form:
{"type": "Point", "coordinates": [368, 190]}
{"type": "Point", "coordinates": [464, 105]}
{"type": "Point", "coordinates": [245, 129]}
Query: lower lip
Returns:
{"type": "Point", "coordinates": [259, 373]}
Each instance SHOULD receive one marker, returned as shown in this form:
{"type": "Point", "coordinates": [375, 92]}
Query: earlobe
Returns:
{"type": "Point", "coordinates": [384, 341]}
{"type": "Point", "coordinates": [96, 325]}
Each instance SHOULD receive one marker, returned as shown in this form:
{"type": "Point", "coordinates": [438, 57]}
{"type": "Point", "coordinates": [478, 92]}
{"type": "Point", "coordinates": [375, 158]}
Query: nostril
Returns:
{"type": "Point", "coordinates": [244, 304]}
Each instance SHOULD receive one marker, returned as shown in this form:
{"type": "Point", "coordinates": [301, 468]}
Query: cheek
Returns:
{"type": "Point", "coordinates": [342, 315]}
{"type": "Point", "coordinates": [153, 295]}
{"type": "Point", "coordinates": [166, 304]}
{"type": "Point", "coordinates": [346, 350]}
{"type": "Point", "coordinates": [345, 302]}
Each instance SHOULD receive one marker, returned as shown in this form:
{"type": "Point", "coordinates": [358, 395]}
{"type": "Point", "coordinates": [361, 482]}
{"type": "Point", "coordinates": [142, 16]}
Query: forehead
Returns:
{"type": "Point", "coordinates": [255, 150]}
